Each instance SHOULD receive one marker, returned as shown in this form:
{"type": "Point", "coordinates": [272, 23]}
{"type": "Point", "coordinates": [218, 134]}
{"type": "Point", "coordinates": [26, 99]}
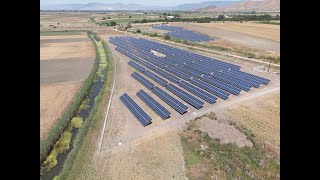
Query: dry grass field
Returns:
{"type": "Point", "coordinates": [157, 157]}
{"type": "Point", "coordinates": [65, 61]}
{"type": "Point", "coordinates": [266, 31]}
{"type": "Point", "coordinates": [262, 117]}
{"type": "Point", "coordinates": [54, 99]}
{"type": "Point", "coordinates": [260, 36]}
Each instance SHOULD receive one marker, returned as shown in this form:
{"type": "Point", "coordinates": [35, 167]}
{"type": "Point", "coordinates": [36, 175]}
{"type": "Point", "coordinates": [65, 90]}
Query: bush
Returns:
{"type": "Point", "coordinates": [221, 17]}
{"type": "Point", "coordinates": [113, 23]}
{"type": "Point", "coordinates": [138, 31]}
{"type": "Point", "coordinates": [167, 37]}
{"type": "Point", "coordinates": [130, 16]}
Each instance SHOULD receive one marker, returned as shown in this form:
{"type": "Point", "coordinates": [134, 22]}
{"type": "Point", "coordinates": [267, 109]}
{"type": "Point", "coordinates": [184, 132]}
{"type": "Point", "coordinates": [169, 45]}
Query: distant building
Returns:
{"type": "Point", "coordinates": [170, 17]}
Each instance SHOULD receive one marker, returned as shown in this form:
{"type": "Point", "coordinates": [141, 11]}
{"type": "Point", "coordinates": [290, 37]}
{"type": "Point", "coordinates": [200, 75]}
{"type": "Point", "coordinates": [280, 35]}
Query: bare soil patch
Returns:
{"type": "Point", "coordinates": [54, 99]}
{"type": "Point", "coordinates": [72, 69]}
{"type": "Point", "coordinates": [223, 131]}
{"type": "Point", "coordinates": [66, 50]}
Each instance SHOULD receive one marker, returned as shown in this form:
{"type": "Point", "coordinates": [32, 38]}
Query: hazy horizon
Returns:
{"type": "Point", "coordinates": [164, 3]}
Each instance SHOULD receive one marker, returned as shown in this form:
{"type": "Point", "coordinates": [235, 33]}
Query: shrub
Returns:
{"type": "Point", "coordinates": [167, 37]}
{"type": "Point", "coordinates": [138, 31]}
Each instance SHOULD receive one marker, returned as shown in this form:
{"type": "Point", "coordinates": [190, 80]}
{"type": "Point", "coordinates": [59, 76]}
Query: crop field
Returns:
{"type": "Point", "coordinates": [65, 61]}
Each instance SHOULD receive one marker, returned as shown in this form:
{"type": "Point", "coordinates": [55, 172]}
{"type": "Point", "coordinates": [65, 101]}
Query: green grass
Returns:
{"type": "Point", "coordinates": [191, 157]}
{"type": "Point", "coordinates": [59, 33]}
{"type": "Point", "coordinates": [232, 161]}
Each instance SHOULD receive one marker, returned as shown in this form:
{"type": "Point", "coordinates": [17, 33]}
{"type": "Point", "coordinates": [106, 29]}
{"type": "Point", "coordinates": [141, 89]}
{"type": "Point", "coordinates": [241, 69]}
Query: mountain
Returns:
{"type": "Point", "coordinates": [192, 6]}
{"type": "Point", "coordinates": [120, 6]}
{"type": "Point", "coordinates": [247, 5]}
{"type": "Point", "coordinates": [98, 6]}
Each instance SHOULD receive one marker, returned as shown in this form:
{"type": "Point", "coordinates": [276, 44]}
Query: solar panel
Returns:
{"type": "Point", "coordinates": [153, 104]}
{"type": "Point", "coordinates": [149, 85]}
{"type": "Point", "coordinates": [171, 101]}
{"type": "Point", "coordinates": [185, 96]}
{"type": "Point", "coordinates": [136, 66]}
{"type": "Point", "coordinates": [198, 92]}
{"type": "Point", "coordinates": [136, 110]}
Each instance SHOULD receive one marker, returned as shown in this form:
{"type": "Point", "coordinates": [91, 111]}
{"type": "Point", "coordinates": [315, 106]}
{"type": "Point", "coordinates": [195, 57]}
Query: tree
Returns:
{"type": "Point", "coordinates": [109, 18]}
{"type": "Point", "coordinates": [145, 13]}
{"type": "Point", "coordinates": [165, 14]}
{"type": "Point", "coordinates": [160, 17]}
{"type": "Point", "coordinates": [138, 31]}
{"type": "Point", "coordinates": [104, 18]}
{"type": "Point", "coordinates": [130, 16]}
{"type": "Point", "coordinates": [144, 21]}
{"type": "Point", "coordinates": [113, 23]}
{"type": "Point", "coordinates": [167, 37]}
{"type": "Point", "coordinates": [221, 17]}
{"type": "Point", "coordinates": [128, 26]}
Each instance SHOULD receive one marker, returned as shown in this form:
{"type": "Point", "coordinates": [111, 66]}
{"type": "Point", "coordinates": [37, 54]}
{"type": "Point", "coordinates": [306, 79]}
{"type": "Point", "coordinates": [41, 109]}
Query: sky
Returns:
{"type": "Point", "coordinates": [141, 2]}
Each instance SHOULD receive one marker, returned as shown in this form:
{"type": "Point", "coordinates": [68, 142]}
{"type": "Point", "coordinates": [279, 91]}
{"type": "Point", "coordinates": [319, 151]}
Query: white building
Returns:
{"type": "Point", "coordinates": [170, 17]}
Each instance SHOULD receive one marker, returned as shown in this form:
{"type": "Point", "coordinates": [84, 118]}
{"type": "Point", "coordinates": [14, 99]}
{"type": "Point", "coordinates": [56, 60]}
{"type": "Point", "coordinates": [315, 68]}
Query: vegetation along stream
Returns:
{"type": "Point", "coordinates": [53, 163]}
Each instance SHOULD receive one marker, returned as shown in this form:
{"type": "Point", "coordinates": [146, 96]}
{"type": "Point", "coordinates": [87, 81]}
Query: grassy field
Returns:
{"type": "Point", "coordinates": [207, 158]}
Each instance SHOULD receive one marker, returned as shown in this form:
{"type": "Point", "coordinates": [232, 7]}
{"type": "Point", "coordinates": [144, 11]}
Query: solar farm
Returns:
{"type": "Point", "coordinates": [180, 33]}
{"type": "Point", "coordinates": [181, 80]}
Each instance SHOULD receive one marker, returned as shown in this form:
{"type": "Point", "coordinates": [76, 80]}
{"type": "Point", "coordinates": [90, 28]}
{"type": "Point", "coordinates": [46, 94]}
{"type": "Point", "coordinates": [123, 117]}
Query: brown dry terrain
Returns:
{"type": "Point", "coordinates": [153, 157]}
{"type": "Point", "coordinates": [52, 21]}
{"type": "Point", "coordinates": [65, 61]}
{"type": "Point", "coordinates": [234, 33]}
{"type": "Point", "coordinates": [262, 117]}
{"type": "Point", "coordinates": [266, 31]}
{"type": "Point", "coordinates": [54, 98]}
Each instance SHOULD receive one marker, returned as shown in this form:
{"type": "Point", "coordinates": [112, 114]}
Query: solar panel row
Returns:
{"type": "Point", "coordinates": [149, 85]}
{"type": "Point", "coordinates": [153, 104]}
{"type": "Point", "coordinates": [136, 110]}
{"type": "Point", "coordinates": [185, 96]}
{"type": "Point", "coordinates": [136, 66]}
{"type": "Point", "coordinates": [171, 101]}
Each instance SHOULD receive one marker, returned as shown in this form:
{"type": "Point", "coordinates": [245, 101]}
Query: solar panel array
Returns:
{"type": "Point", "coordinates": [195, 75]}
{"type": "Point", "coordinates": [180, 33]}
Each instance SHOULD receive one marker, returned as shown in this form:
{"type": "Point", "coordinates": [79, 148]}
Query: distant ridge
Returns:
{"type": "Point", "coordinates": [133, 7]}
{"type": "Point", "coordinates": [247, 5]}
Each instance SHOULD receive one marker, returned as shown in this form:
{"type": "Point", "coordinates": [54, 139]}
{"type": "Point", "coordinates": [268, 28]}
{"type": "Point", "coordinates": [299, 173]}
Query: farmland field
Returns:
{"type": "Point", "coordinates": [258, 36]}
{"type": "Point", "coordinates": [65, 61]}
